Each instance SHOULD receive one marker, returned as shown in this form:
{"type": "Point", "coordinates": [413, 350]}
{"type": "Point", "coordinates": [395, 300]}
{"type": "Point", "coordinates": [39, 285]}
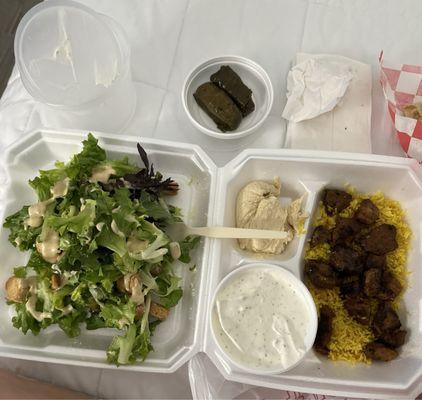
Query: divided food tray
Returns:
{"type": "Point", "coordinates": [208, 196]}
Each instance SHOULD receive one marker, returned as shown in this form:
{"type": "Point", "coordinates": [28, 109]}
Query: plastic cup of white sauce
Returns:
{"type": "Point", "coordinates": [263, 319]}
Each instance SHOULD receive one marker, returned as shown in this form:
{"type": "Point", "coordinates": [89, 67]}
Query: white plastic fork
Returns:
{"type": "Point", "coordinates": [225, 232]}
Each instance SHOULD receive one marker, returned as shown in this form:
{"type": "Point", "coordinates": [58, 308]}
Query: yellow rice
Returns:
{"type": "Point", "coordinates": [349, 337]}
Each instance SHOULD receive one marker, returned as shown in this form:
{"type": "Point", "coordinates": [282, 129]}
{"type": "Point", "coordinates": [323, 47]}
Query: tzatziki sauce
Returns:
{"type": "Point", "coordinates": [261, 319]}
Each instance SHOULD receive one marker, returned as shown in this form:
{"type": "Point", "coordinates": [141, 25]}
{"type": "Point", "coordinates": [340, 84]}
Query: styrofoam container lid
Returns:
{"type": "Point", "coordinates": [252, 75]}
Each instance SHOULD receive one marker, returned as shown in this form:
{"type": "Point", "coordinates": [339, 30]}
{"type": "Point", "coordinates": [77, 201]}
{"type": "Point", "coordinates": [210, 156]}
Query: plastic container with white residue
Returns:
{"type": "Point", "coordinates": [76, 63]}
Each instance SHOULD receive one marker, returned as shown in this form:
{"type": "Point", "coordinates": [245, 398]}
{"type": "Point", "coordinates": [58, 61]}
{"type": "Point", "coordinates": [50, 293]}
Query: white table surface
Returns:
{"type": "Point", "coordinates": [170, 37]}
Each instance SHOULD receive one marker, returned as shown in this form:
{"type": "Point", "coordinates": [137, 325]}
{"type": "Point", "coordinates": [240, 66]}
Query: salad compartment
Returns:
{"type": "Point", "coordinates": [174, 341]}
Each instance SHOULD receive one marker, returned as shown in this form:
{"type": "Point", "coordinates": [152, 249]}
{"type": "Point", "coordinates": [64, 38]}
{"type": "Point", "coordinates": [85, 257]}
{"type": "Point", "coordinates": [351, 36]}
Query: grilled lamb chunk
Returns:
{"type": "Point", "coordinates": [335, 201]}
{"type": "Point", "coordinates": [320, 235]}
{"type": "Point", "coordinates": [346, 231]}
{"type": "Point", "coordinates": [367, 212]}
{"type": "Point", "coordinates": [372, 282]}
{"type": "Point", "coordinates": [350, 285]}
{"type": "Point", "coordinates": [321, 274]}
{"type": "Point", "coordinates": [346, 260]}
{"type": "Point", "coordinates": [380, 352]}
{"type": "Point", "coordinates": [358, 308]}
{"type": "Point", "coordinates": [390, 285]}
{"type": "Point", "coordinates": [394, 339]}
{"type": "Point", "coordinates": [385, 319]}
{"type": "Point", "coordinates": [380, 240]}
{"type": "Point", "coordinates": [374, 261]}
{"type": "Point", "coordinates": [325, 330]}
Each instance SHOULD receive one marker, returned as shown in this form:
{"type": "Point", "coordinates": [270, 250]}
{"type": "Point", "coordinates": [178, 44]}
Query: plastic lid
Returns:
{"type": "Point", "coordinates": [67, 54]}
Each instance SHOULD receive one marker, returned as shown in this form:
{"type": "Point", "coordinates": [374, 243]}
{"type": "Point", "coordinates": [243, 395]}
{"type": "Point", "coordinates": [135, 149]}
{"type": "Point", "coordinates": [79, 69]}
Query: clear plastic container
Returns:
{"type": "Point", "coordinates": [76, 63]}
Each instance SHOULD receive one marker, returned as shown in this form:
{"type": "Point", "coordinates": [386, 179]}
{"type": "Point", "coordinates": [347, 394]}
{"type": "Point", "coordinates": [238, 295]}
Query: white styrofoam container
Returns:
{"type": "Point", "coordinates": [176, 340]}
{"type": "Point", "coordinates": [309, 172]}
{"type": "Point", "coordinates": [208, 196]}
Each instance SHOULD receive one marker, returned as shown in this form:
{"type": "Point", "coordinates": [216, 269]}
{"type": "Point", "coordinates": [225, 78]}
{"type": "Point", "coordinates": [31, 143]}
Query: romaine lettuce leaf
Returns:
{"type": "Point", "coordinates": [186, 246]}
{"type": "Point", "coordinates": [107, 238]}
{"type": "Point", "coordinates": [81, 223]}
{"type": "Point", "coordinates": [81, 165]}
{"type": "Point", "coordinates": [20, 237]}
{"type": "Point", "coordinates": [118, 315]}
{"type": "Point", "coordinates": [120, 351]}
{"type": "Point", "coordinates": [43, 183]}
{"type": "Point", "coordinates": [24, 321]}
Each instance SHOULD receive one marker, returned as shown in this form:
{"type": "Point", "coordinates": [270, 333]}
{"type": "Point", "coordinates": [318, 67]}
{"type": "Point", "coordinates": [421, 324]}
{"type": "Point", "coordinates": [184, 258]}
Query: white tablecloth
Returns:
{"type": "Point", "coordinates": [170, 37]}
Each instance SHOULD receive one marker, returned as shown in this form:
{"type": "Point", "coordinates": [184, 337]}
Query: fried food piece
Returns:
{"type": "Point", "coordinates": [374, 261]}
{"type": "Point", "coordinates": [219, 106]}
{"type": "Point", "coordinates": [230, 82]}
{"type": "Point", "coordinates": [320, 235]}
{"type": "Point", "coordinates": [346, 230]}
{"type": "Point", "coordinates": [380, 352]}
{"type": "Point", "coordinates": [359, 308]}
{"type": "Point", "coordinates": [55, 281]}
{"type": "Point", "coordinates": [367, 212]}
{"type": "Point", "coordinates": [16, 289]}
{"type": "Point", "coordinates": [394, 339]}
{"type": "Point", "coordinates": [350, 285]}
{"type": "Point", "coordinates": [385, 319]}
{"type": "Point", "coordinates": [372, 282]}
{"type": "Point", "coordinates": [156, 311]}
{"type": "Point", "coordinates": [413, 110]}
{"type": "Point", "coordinates": [380, 240]}
{"type": "Point", "coordinates": [335, 201]}
{"type": "Point", "coordinates": [391, 287]}
{"type": "Point", "coordinates": [346, 260]}
{"type": "Point", "coordinates": [321, 274]}
{"type": "Point", "coordinates": [325, 330]}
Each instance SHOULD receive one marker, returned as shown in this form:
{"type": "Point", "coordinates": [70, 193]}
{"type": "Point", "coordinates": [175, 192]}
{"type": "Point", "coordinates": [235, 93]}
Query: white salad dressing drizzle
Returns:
{"type": "Point", "coordinates": [36, 212]}
{"type": "Point", "coordinates": [102, 174]}
{"type": "Point", "coordinates": [175, 250]}
{"type": "Point", "coordinates": [135, 245]}
{"type": "Point", "coordinates": [61, 188]}
{"type": "Point", "coordinates": [116, 229]}
{"type": "Point", "coordinates": [261, 320]}
{"type": "Point", "coordinates": [49, 247]}
{"type": "Point", "coordinates": [32, 301]}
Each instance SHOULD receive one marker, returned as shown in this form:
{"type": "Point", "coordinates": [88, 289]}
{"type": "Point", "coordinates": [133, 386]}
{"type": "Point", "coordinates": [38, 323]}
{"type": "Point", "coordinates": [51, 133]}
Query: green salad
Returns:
{"type": "Point", "coordinates": [99, 253]}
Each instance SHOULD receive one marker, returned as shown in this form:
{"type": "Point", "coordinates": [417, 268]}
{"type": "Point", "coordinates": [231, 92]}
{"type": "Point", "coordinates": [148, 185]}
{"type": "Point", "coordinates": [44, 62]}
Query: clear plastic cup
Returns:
{"type": "Point", "coordinates": [76, 63]}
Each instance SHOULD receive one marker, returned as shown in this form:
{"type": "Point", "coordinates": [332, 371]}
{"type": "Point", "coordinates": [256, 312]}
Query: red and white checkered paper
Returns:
{"type": "Point", "coordinates": [402, 84]}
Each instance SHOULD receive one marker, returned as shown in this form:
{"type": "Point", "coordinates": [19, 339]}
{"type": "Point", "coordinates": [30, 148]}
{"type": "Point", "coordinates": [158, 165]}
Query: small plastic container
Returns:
{"type": "Point", "coordinates": [252, 75]}
{"type": "Point", "coordinates": [76, 63]}
{"type": "Point", "coordinates": [303, 293]}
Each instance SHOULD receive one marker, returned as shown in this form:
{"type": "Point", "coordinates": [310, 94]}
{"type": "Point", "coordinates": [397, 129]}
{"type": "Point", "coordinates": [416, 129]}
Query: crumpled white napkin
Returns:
{"type": "Point", "coordinates": [346, 127]}
{"type": "Point", "coordinates": [314, 87]}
